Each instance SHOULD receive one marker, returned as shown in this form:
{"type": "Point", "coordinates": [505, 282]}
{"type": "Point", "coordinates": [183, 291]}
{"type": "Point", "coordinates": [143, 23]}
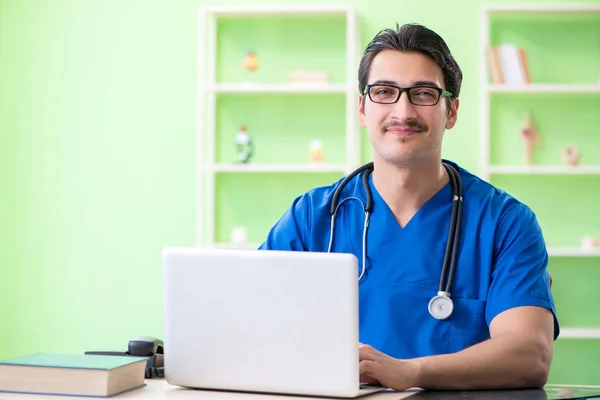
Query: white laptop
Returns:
{"type": "Point", "coordinates": [262, 321]}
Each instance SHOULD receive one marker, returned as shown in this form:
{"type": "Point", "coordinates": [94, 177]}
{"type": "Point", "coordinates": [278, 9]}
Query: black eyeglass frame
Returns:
{"type": "Point", "coordinates": [442, 92]}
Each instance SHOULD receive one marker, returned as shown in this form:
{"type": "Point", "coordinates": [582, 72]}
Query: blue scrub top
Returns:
{"type": "Point", "coordinates": [501, 262]}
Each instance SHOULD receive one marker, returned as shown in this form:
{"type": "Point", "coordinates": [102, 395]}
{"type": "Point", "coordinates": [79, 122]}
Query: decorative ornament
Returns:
{"type": "Point", "coordinates": [316, 152]}
{"type": "Point", "coordinates": [239, 235]}
{"type": "Point", "coordinates": [571, 155]}
{"type": "Point", "coordinates": [589, 243]}
{"type": "Point", "coordinates": [250, 61]}
{"type": "Point", "coordinates": [530, 136]}
{"type": "Point", "coordinates": [244, 145]}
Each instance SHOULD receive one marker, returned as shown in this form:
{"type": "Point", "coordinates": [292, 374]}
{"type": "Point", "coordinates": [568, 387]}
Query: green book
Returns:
{"type": "Point", "coordinates": [72, 374]}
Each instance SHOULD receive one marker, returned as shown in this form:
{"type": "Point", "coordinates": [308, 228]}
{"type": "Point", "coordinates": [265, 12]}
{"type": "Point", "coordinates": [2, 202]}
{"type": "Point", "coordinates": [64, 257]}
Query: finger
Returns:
{"type": "Point", "coordinates": [368, 353]}
{"type": "Point", "coordinates": [365, 355]}
{"type": "Point", "coordinates": [365, 367]}
{"type": "Point", "coordinates": [372, 368]}
{"type": "Point", "coordinates": [366, 372]}
{"type": "Point", "coordinates": [368, 380]}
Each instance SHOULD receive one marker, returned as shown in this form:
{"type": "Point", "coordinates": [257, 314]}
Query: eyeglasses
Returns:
{"type": "Point", "coordinates": [417, 95]}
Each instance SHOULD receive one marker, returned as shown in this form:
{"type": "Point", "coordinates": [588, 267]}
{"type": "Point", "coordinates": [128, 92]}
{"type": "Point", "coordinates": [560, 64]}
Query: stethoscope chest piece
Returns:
{"type": "Point", "coordinates": [441, 306]}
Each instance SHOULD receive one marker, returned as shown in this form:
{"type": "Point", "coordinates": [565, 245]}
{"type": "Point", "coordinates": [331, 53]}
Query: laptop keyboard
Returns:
{"type": "Point", "coordinates": [368, 386]}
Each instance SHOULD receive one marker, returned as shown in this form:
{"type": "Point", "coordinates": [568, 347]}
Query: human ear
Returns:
{"type": "Point", "coordinates": [361, 110]}
{"type": "Point", "coordinates": [452, 114]}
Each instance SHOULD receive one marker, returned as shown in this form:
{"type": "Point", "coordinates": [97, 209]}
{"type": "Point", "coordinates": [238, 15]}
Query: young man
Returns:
{"type": "Point", "coordinates": [487, 323]}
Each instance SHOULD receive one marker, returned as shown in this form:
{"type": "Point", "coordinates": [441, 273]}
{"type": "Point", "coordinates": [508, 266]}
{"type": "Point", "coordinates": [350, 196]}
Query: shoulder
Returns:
{"type": "Point", "coordinates": [317, 197]}
{"type": "Point", "coordinates": [495, 202]}
{"type": "Point", "coordinates": [318, 200]}
{"type": "Point", "coordinates": [296, 228]}
{"type": "Point", "coordinates": [509, 223]}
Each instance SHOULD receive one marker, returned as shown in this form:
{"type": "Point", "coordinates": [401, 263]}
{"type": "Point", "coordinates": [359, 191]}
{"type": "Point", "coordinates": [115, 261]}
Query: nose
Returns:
{"type": "Point", "coordinates": [404, 109]}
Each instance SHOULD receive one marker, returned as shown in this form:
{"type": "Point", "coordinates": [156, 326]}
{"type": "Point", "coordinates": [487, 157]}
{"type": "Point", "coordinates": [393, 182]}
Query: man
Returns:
{"type": "Point", "coordinates": [501, 329]}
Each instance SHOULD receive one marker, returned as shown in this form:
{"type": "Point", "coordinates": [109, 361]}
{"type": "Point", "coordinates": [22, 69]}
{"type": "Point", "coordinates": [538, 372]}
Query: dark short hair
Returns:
{"type": "Point", "coordinates": [413, 38]}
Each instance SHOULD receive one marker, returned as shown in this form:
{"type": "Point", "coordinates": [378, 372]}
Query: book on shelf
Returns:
{"type": "Point", "coordinates": [72, 374]}
{"type": "Point", "coordinates": [507, 64]}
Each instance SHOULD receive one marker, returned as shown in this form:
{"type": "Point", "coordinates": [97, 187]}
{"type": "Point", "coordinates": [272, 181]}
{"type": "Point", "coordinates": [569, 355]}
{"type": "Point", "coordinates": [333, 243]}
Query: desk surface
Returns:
{"type": "Point", "coordinates": [160, 389]}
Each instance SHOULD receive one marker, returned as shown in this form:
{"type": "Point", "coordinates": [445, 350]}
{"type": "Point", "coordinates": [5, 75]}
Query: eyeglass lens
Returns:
{"type": "Point", "coordinates": [418, 95]}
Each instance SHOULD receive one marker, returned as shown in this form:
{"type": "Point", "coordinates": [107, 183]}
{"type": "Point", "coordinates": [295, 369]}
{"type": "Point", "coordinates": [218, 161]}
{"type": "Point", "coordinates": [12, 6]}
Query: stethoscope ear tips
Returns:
{"type": "Point", "coordinates": [441, 306]}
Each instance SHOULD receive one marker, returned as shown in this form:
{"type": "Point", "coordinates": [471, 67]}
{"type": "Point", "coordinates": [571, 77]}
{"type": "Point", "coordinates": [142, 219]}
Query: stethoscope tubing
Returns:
{"type": "Point", "coordinates": [440, 306]}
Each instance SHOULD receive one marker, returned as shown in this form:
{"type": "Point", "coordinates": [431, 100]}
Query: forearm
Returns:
{"type": "Point", "coordinates": [506, 361]}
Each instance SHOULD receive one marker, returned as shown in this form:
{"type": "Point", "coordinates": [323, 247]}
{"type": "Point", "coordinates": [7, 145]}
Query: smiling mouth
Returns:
{"type": "Point", "coordinates": [394, 130]}
{"type": "Point", "coordinates": [403, 129]}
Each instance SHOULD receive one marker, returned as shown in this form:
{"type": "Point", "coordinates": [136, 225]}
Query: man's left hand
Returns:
{"type": "Point", "coordinates": [377, 368]}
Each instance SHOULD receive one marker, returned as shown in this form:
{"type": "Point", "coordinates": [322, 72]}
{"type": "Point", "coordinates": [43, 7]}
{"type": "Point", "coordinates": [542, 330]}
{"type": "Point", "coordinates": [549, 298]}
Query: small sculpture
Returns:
{"type": "Point", "coordinates": [244, 145]}
{"type": "Point", "coordinates": [250, 62]}
{"type": "Point", "coordinates": [316, 152]}
{"type": "Point", "coordinates": [571, 155]}
{"type": "Point", "coordinates": [589, 243]}
{"type": "Point", "coordinates": [239, 235]}
{"type": "Point", "coordinates": [530, 136]}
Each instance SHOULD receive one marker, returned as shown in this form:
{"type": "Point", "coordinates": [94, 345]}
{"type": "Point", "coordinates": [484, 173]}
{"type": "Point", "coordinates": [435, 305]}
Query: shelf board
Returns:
{"type": "Point", "coordinates": [544, 88]}
{"type": "Point", "coordinates": [579, 333]}
{"type": "Point", "coordinates": [572, 252]}
{"type": "Point", "coordinates": [277, 88]}
{"type": "Point", "coordinates": [233, 246]}
{"type": "Point", "coordinates": [341, 168]}
{"type": "Point", "coordinates": [275, 10]}
{"type": "Point", "coordinates": [544, 169]}
{"type": "Point", "coordinates": [540, 8]}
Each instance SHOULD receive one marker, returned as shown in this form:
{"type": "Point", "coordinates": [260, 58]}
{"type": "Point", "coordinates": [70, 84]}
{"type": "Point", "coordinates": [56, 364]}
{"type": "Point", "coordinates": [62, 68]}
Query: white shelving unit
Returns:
{"type": "Point", "coordinates": [209, 89]}
{"type": "Point", "coordinates": [276, 88]}
{"type": "Point", "coordinates": [542, 88]}
{"type": "Point", "coordinates": [523, 9]}
{"type": "Point", "coordinates": [542, 170]}
{"type": "Point", "coordinates": [579, 333]}
{"type": "Point", "coordinates": [487, 170]}
{"type": "Point", "coordinates": [572, 252]}
{"type": "Point", "coordinates": [341, 168]}
{"type": "Point", "coordinates": [244, 246]}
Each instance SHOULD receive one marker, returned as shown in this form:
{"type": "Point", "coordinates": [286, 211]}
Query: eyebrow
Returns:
{"type": "Point", "coordinates": [415, 83]}
{"type": "Point", "coordinates": [384, 82]}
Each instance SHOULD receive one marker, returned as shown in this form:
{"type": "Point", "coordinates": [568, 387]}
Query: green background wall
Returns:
{"type": "Point", "coordinates": [97, 162]}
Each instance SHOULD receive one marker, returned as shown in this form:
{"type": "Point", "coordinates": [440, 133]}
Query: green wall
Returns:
{"type": "Point", "coordinates": [97, 136]}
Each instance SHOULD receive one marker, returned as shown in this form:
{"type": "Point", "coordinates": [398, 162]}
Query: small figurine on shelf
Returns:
{"type": "Point", "coordinates": [244, 145]}
{"type": "Point", "coordinates": [250, 61]}
{"type": "Point", "coordinates": [316, 152]}
{"type": "Point", "coordinates": [589, 243]}
{"type": "Point", "coordinates": [530, 136]}
{"type": "Point", "coordinates": [250, 65]}
{"type": "Point", "coordinates": [571, 155]}
{"type": "Point", "coordinates": [239, 235]}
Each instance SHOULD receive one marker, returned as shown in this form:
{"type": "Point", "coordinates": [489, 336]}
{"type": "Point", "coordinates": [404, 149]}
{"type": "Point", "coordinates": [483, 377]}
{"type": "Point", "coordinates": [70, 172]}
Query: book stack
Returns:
{"type": "Point", "coordinates": [72, 375]}
{"type": "Point", "coordinates": [508, 64]}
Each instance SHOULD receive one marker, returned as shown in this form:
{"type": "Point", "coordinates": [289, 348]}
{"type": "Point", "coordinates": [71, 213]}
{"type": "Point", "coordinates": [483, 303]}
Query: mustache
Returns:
{"type": "Point", "coordinates": [410, 124]}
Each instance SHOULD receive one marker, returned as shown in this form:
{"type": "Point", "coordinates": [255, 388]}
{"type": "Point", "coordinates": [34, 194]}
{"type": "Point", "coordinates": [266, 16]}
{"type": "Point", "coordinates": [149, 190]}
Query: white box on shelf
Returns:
{"type": "Point", "coordinates": [309, 76]}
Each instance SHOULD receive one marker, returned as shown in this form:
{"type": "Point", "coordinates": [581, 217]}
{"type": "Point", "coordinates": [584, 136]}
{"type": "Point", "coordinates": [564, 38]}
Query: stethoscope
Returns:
{"type": "Point", "coordinates": [440, 306]}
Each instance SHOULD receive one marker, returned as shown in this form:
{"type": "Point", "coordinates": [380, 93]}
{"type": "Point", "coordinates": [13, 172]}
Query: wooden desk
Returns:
{"type": "Point", "coordinates": [159, 389]}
